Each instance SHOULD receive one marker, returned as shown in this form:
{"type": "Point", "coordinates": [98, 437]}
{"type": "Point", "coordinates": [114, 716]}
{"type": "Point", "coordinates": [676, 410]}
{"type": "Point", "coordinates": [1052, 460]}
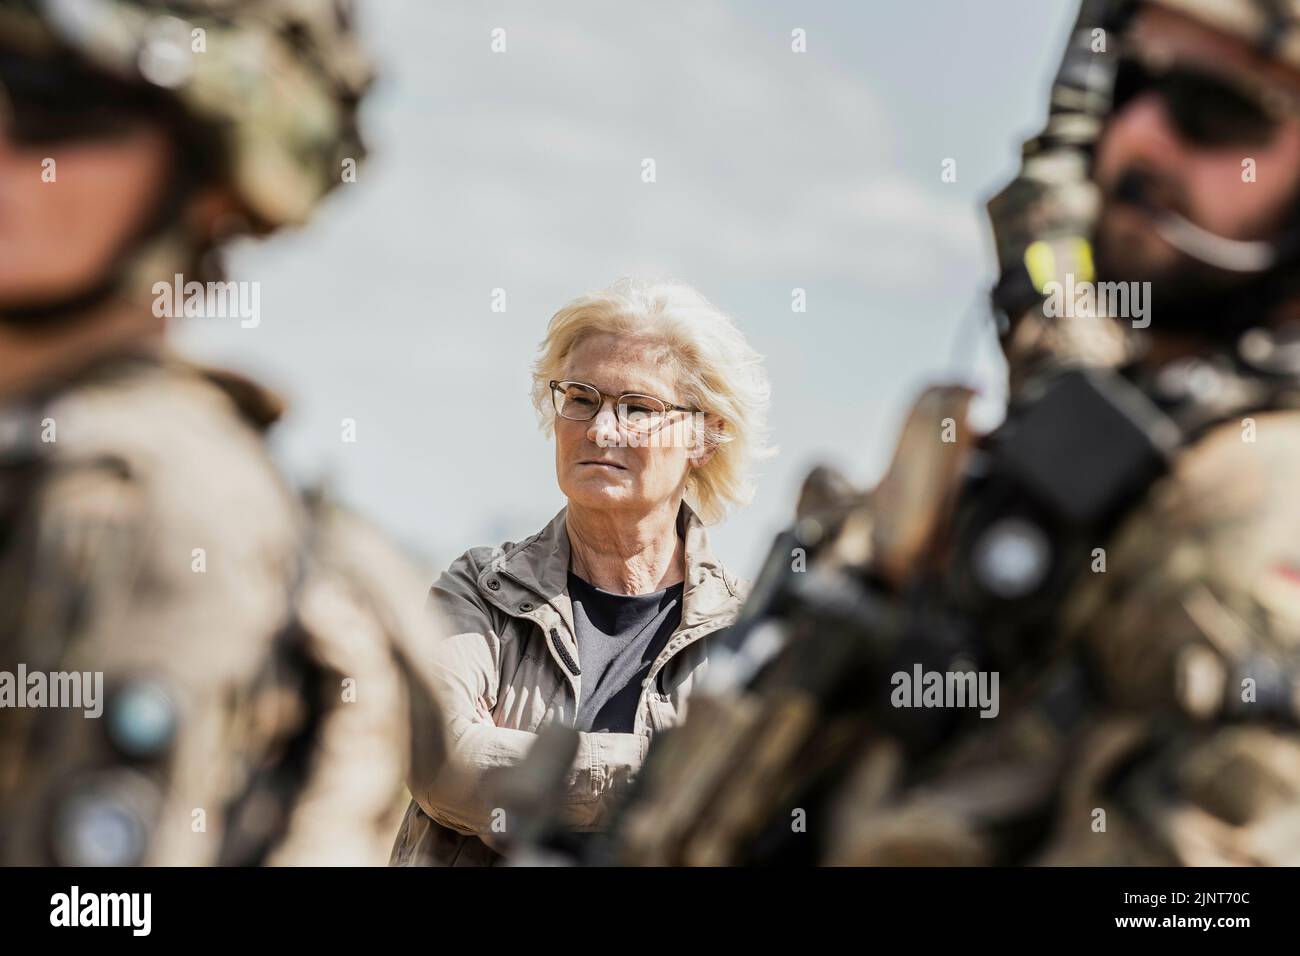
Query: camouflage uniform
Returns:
{"type": "Point", "coordinates": [1200, 596]}
{"type": "Point", "coordinates": [264, 685]}
{"type": "Point", "coordinates": [1150, 709]}
{"type": "Point", "coordinates": [1149, 762]}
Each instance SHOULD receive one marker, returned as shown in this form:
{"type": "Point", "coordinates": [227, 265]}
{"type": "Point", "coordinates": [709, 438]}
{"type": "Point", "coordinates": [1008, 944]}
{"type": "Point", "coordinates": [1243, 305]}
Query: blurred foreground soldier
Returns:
{"type": "Point", "coordinates": [1073, 640]}
{"type": "Point", "coordinates": [195, 665]}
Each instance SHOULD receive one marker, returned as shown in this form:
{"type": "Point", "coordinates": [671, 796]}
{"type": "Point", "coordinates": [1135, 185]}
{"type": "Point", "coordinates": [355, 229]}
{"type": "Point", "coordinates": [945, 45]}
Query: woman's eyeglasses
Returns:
{"type": "Point", "coordinates": [1209, 108]}
{"type": "Point", "coordinates": [579, 402]}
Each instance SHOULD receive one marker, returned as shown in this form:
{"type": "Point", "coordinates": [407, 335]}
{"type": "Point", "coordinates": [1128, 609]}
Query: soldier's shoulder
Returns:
{"type": "Point", "coordinates": [187, 438]}
{"type": "Point", "coordinates": [1237, 473]}
{"type": "Point", "coordinates": [1263, 443]}
{"type": "Point", "coordinates": [1210, 557]}
{"type": "Point", "coordinates": [151, 467]}
{"type": "Point", "coordinates": [135, 403]}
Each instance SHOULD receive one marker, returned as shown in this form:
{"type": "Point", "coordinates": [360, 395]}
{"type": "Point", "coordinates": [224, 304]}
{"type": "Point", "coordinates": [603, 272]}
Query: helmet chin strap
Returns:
{"type": "Point", "coordinates": [1230, 255]}
{"type": "Point", "coordinates": [129, 279]}
{"type": "Point", "coordinates": [54, 314]}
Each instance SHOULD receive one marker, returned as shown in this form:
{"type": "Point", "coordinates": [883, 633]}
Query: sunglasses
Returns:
{"type": "Point", "coordinates": [1209, 109]}
{"type": "Point", "coordinates": [47, 102]}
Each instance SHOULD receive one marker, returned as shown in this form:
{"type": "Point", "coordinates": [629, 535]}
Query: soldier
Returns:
{"type": "Point", "coordinates": [245, 664]}
{"type": "Point", "coordinates": [1073, 640]}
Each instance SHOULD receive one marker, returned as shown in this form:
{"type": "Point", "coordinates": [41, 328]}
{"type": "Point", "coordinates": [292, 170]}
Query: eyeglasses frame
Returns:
{"type": "Point", "coordinates": [617, 400]}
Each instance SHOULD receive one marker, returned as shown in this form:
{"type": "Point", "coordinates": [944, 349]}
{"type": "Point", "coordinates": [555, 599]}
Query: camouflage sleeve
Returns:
{"type": "Point", "coordinates": [156, 609]}
{"type": "Point", "coordinates": [1192, 621]}
{"type": "Point", "coordinates": [367, 630]}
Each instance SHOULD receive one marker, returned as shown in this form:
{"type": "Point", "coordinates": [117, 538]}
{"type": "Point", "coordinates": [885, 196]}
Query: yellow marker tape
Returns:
{"type": "Point", "coordinates": [1085, 271]}
{"type": "Point", "coordinates": [1040, 262]}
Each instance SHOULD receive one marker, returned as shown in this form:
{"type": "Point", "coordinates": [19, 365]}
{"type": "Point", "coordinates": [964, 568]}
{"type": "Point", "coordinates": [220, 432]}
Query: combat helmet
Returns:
{"type": "Point", "coordinates": [267, 92]}
{"type": "Point", "coordinates": [1272, 27]}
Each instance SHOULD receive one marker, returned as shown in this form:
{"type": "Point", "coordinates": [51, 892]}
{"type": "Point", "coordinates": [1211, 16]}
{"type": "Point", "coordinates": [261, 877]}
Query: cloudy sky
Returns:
{"type": "Point", "coordinates": [521, 171]}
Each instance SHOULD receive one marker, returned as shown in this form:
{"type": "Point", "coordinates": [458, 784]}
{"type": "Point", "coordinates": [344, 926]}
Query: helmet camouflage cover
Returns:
{"type": "Point", "coordinates": [1271, 26]}
{"type": "Point", "coordinates": [277, 81]}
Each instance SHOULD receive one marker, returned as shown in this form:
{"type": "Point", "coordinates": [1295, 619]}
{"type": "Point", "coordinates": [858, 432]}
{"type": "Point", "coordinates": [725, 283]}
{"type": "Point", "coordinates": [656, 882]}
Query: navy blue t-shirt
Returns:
{"type": "Point", "coordinates": [619, 637]}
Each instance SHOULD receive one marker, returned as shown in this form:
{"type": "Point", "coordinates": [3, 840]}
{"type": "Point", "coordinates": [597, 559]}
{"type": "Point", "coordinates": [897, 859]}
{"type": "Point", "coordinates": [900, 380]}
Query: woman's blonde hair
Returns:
{"type": "Point", "coordinates": [717, 370]}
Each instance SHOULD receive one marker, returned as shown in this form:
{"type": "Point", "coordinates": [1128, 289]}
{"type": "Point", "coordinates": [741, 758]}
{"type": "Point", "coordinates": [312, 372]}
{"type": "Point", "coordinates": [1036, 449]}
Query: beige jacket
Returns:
{"type": "Point", "coordinates": [509, 664]}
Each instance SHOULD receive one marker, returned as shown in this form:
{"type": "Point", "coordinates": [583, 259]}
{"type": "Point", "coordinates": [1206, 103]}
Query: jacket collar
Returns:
{"type": "Point", "coordinates": [539, 567]}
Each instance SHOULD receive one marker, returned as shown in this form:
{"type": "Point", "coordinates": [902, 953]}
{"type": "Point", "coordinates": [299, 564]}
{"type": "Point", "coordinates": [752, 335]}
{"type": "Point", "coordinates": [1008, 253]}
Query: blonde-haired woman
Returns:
{"type": "Point", "coordinates": [600, 620]}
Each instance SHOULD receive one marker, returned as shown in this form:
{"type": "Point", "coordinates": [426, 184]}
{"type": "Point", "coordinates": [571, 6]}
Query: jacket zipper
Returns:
{"type": "Point", "coordinates": [560, 649]}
